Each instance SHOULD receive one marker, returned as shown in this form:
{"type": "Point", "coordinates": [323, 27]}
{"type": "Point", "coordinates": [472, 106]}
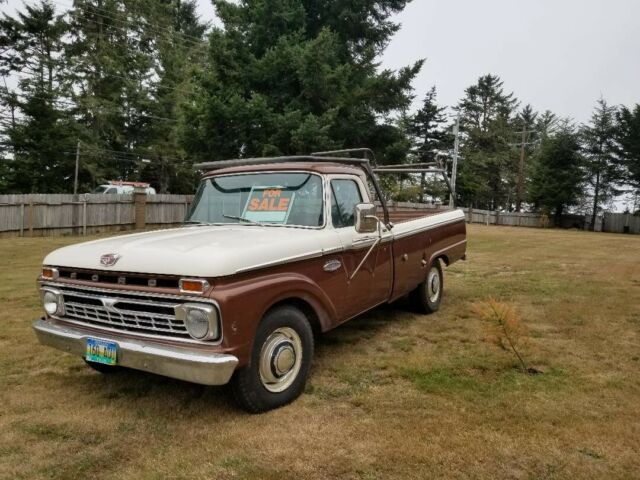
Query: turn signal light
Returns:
{"type": "Point", "coordinates": [49, 273]}
{"type": "Point", "coordinates": [189, 285]}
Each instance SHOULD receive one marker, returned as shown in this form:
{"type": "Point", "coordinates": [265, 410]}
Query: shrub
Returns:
{"type": "Point", "coordinates": [504, 326]}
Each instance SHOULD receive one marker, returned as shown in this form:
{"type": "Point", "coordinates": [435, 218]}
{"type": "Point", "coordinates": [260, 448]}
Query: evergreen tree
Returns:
{"type": "Point", "coordinates": [427, 129]}
{"type": "Point", "coordinates": [110, 56]}
{"type": "Point", "coordinates": [628, 127]}
{"type": "Point", "coordinates": [428, 135]}
{"type": "Point", "coordinates": [558, 177]}
{"type": "Point", "coordinates": [601, 150]}
{"type": "Point", "coordinates": [41, 129]}
{"type": "Point", "coordinates": [179, 50]}
{"type": "Point", "coordinates": [486, 173]}
{"type": "Point", "coordinates": [290, 76]}
{"type": "Point", "coordinates": [546, 123]}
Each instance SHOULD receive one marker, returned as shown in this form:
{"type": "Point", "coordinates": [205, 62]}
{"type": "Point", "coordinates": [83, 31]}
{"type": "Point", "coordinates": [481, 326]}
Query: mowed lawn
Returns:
{"type": "Point", "coordinates": [391, 394]}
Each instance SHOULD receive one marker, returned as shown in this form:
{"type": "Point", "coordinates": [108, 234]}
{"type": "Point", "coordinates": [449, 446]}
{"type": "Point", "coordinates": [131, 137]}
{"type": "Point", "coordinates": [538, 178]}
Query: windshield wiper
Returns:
{"type": "Point", "coordinates": [242, 219]}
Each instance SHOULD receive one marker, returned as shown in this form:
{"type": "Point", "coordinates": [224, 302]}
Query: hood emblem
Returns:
{"type": "Point", "coordinates": [109, 259]}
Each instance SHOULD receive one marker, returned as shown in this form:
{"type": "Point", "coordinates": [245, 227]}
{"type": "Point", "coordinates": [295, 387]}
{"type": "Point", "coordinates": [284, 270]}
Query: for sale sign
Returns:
{"type": "Point", "coordinates": [268, 204]}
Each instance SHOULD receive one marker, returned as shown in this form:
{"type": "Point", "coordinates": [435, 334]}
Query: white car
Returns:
{"type": "Point", "coordinates": [121, 189]}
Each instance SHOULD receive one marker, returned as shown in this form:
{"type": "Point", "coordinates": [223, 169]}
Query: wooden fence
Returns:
{"type": "Point", "coordinates": [620, 223]}
{"type": "Point", "coordinates": [63, 214]}
{"type": "Point", "coordinates": [609, 222]}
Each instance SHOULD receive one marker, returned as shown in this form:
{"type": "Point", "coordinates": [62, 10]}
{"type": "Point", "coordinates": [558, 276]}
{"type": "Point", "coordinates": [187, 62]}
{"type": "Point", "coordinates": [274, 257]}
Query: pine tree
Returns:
{"type": "Point", "coordinates": [428, 134]}
{"type": "Point", "coordinates": [179, 49]}
{"type": "Point", "coordinates": [628, 128]}
{"type": "Point", "coordinates": [486, 172]}
{"type": "Point", "coordinates": [427, 129]}
{"type": "Point", "coordinates": [41, 129]}
{"type": "Point", "coordinates": [290, 76]}
{"type": "Point", "coordinates": [602, 165]}
{"type": "Point", "coordinates": [558, 176]}
{"type": "Point", "coordinates": [110, 55]}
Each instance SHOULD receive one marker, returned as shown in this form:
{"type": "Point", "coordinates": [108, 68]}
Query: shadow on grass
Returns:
{"type": "Point", "coordinates": [148, 394]}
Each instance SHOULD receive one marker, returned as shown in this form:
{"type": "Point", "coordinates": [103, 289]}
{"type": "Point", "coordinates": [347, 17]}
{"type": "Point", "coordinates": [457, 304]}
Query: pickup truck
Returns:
{"type": "Point", "coordinates": [273, 252]}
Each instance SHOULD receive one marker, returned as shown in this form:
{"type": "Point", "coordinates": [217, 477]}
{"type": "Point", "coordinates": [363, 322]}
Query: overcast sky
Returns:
{"type": "Point", "coordinates": [559, 55]}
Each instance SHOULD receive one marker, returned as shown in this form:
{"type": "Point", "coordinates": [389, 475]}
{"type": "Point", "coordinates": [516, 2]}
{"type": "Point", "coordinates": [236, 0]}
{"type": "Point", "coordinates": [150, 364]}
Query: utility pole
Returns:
{"type": "Point", "coordinates": [75, 178]}
{"type": "Point", "coordinates": [520, 184]}
{"type": "Point", "coordinates": [454, 166]}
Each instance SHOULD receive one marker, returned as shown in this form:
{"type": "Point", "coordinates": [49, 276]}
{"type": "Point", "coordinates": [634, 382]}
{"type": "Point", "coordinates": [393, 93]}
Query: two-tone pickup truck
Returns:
{"type": "Point", "coordinates": [273, 252]}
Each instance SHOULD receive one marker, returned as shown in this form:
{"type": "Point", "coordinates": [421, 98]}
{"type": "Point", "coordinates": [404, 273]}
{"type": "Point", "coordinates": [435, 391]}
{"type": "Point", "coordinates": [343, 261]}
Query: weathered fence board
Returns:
{"type": "Point", "coordinates": [620, 223]}
{"type": "Point", "coordinates": [60, 214]}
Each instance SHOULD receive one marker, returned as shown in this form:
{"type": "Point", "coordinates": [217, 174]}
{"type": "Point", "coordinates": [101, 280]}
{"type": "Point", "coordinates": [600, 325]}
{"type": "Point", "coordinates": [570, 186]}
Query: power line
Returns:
{"type": "Point", "coordinates": [195, 41]}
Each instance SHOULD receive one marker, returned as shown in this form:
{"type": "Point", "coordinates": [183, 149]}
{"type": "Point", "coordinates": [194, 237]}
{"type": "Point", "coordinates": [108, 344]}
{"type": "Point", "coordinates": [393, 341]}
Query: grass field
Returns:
{"type": "Point", "coordinates": [391, 394]}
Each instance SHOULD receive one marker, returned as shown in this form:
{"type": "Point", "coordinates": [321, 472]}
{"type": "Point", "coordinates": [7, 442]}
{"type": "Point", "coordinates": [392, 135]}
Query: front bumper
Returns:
{"type": "Point", "coordinates": [181, 363]}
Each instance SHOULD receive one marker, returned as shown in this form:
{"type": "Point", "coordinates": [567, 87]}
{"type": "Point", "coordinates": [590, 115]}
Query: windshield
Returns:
{"type": "Point", "coordinates": [266, 198]}
{"type": "Point", "coordinates": [100, 189]}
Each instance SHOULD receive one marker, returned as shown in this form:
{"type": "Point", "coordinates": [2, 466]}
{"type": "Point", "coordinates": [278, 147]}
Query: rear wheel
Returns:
{"type": "Point", "coordinates": [427, 296]}
{"type": "Point", "coordinates": [280, 362]}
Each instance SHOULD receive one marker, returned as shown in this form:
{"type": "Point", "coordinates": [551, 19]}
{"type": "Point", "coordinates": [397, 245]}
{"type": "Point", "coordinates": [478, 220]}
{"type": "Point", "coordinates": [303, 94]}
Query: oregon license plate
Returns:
{"type": "Point", "coordinates": [101, 351]}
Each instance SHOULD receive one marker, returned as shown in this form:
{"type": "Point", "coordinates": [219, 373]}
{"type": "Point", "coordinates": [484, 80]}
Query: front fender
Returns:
{"type": "Point", "coordinates": [243, 303]}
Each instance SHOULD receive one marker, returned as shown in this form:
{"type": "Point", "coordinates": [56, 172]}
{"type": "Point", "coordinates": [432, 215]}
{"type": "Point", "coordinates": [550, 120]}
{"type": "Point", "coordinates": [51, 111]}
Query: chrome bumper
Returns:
{"type": "Point", "coordinates": [181, 363]}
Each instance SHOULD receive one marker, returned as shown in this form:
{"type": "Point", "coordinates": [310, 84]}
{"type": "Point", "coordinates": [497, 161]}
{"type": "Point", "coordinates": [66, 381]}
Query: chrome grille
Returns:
{"type": "Point", "coordinates": [124, 311]}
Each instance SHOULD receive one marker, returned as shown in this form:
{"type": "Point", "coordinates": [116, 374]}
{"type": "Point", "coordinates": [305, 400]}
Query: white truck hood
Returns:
{"type": "Point", "coordinates": [198, 251]}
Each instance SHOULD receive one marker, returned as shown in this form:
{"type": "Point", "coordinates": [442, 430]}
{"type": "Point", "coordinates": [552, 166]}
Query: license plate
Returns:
{"type": "Point", "coordinates": [101, 351]}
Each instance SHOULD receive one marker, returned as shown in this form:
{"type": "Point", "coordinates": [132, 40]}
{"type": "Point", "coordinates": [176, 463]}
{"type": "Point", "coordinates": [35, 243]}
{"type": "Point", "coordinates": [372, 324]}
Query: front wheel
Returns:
{"type": "Point", "coordinates": [280, 362]}
{"type": "Point", "coordinates": [427, 296]}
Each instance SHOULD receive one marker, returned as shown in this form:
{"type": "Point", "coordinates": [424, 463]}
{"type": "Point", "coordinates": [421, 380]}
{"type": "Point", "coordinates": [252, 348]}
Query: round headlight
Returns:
{"type": "Point", "coordinates": [200, 319]}
{"type": "Point", "coordinates": [197, 323]}
{"type": "Point", "coordinates": [52, 302]}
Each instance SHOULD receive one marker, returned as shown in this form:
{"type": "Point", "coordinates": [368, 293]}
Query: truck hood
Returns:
{"type": "Point", "coordinates": [198, 251]}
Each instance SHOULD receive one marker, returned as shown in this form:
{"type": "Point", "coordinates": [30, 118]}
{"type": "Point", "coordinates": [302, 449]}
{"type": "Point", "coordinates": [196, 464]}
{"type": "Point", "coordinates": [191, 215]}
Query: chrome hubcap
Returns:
{"type": "Point", "coordinates": [433, 285]}
{"type": "Point", "coordinates": [280, 359]}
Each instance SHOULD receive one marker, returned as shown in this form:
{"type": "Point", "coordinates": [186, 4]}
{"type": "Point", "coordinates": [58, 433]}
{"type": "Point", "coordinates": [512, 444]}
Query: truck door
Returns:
{"type": "Point", "coordinates": [372, 283]}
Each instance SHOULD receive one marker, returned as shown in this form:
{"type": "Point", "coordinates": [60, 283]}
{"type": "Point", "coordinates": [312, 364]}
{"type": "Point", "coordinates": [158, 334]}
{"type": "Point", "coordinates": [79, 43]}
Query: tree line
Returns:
{"type": "Point", "coordinates": [142, 89]}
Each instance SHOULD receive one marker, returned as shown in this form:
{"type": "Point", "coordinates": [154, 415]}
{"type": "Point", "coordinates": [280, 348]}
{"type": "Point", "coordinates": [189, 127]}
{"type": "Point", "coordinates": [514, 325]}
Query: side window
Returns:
{"type": "Point", "coordinates": [112, 190]}
{"type": "Point", "coordinates": [345, 195]}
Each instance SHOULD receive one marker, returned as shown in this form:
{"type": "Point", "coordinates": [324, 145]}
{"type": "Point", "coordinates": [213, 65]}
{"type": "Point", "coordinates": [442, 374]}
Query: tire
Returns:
{"type": "Point", "coordinates": [102, 368]}
{"type": "Point", "coordinates": [427, 296]}
{"type": "Point", "coordinates": [280, 362]}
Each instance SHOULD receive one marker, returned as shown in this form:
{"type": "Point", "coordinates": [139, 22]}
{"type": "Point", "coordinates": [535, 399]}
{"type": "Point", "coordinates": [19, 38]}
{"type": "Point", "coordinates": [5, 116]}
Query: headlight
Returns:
{"type": "Point", "coordinates": [53, 302]}
{"type": "Point", "coordinates": [201, 320]}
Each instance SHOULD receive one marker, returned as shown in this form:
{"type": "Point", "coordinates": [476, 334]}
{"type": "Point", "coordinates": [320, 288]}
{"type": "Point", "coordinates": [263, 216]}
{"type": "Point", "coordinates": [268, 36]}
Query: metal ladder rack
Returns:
{"type": "Point", "coordinates": [333, 156]}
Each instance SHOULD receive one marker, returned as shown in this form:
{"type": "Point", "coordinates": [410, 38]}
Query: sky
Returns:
{"type": "Point", "coordinates": [560, 55]}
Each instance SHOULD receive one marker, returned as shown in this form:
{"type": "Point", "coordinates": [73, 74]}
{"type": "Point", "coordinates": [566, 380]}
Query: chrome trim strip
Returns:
{"type": "Point", "coordinates": [181, 363]}
{"type": "Point", "coordinates": [329, 251]}
{"type": "Point", "coordinates": [282, 261]}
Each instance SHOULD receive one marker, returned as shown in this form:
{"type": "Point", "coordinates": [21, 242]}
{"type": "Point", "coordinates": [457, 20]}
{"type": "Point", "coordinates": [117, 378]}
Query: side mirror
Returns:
{"type": "Point", "coordinates": [366, 220]}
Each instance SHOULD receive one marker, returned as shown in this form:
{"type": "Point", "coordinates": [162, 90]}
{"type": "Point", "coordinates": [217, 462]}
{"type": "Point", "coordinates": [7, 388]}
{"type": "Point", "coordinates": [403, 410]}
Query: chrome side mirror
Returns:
{"type": "Point", "coordinates": [366, 220]}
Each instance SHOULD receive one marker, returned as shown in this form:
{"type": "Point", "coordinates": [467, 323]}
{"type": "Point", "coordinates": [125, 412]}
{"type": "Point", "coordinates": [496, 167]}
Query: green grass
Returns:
{"type": "Point", "coordinates": [391, 394]}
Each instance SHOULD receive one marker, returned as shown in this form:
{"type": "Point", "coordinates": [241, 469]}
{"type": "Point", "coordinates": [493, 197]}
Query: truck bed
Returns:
{"type": "Point", "coordinates": [405, 211]}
